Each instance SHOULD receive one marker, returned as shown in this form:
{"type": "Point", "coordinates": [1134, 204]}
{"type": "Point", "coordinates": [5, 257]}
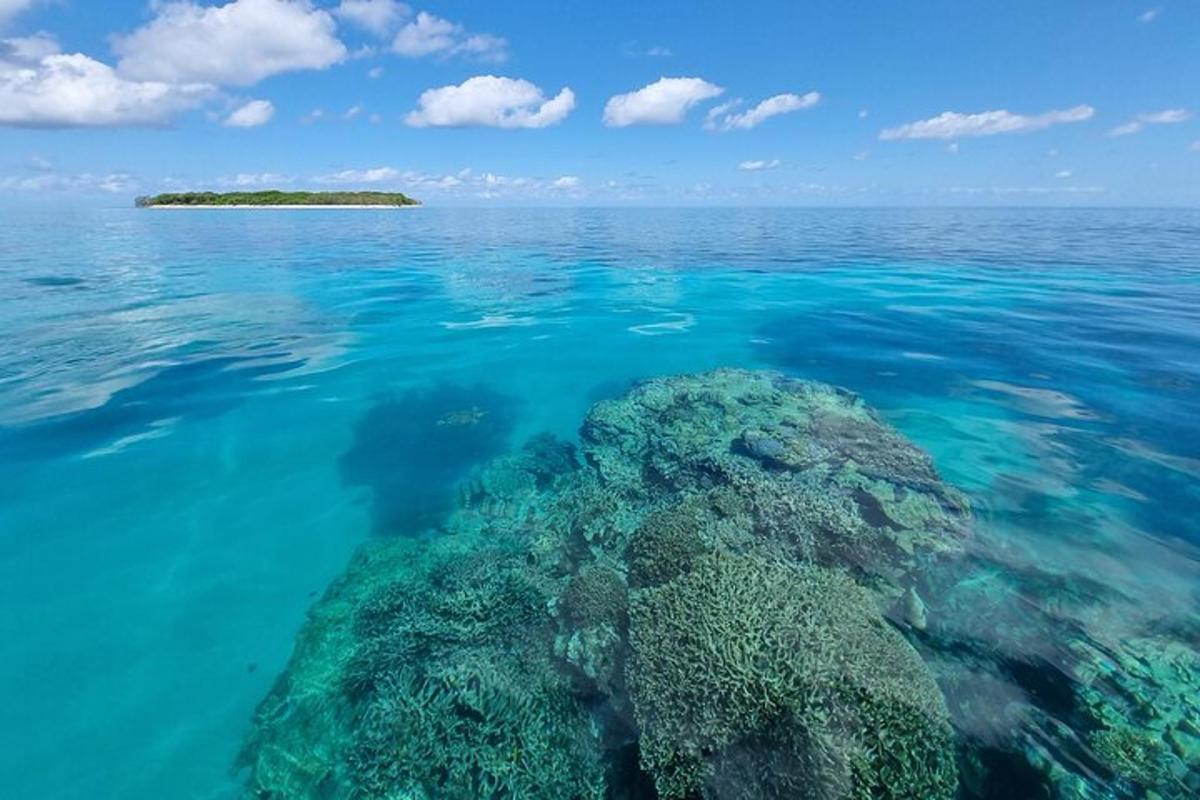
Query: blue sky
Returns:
{"type": "Point", "coordinates": [882, 102]}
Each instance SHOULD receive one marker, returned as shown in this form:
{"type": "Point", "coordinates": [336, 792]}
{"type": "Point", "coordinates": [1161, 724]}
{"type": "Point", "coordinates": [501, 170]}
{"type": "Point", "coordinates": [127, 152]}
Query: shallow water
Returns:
{"type": "Point", "coordinates": [203, 415]}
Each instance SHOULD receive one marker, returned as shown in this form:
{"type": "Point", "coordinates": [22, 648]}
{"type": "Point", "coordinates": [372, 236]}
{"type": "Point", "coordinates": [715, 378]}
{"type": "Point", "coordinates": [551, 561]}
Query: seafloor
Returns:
{"type": "Point", "coordinates": [738, 585]}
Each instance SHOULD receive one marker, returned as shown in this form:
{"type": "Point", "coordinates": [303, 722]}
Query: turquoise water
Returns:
{"type": "Point", "coordinates": [204, 413]}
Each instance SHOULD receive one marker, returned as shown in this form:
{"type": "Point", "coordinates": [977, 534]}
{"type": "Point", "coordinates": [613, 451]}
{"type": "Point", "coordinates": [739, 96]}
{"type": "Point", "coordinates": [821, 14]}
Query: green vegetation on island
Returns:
{"type": "Point", "coordinates": [277, 198]}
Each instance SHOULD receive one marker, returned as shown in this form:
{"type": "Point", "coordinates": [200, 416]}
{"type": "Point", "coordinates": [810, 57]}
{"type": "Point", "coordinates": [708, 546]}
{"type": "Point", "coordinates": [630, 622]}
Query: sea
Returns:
{"type": "Point", "coordinates": [204, 414]}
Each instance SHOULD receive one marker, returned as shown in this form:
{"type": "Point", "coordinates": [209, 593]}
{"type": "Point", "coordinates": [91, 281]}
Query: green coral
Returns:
{"type": "Point", "coordinates": [785, 682]}
{"type": "Point", "coordinates": [1133, 754]}
{"type": "Point", "coordinates": [666, 544]}
{"type": "Point", "coordinates": [481, 725]}
{"type": "Point", "coordinates": [808, 466]}
{"type": "Point", "coordinates": [499, 659]}
{"type": "Point", "coordinates": [595, 596]}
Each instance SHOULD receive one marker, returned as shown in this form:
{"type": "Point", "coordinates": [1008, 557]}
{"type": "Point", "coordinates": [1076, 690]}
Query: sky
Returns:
{"type": "Point", "coordinates": [846, 102]}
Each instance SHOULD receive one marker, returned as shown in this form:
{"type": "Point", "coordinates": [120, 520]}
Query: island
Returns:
{"type": "Point", "coordinates": [277, 199]}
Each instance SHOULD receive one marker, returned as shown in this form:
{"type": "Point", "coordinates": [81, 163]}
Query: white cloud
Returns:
{"type": "Point", "coordinates": [1063, 174]}
{"type": "Point", "coordinates": [490, 101]}
{"type": "Point", "coordinates": [755, 166]}
{"type": "Point", "coordinates": [376, 119]}
{"type": "Point", "coordinates": [952, 148]}
{"type": "Point", "coordinates": [863, 113]}
{"type": "Point", "coordinates": [316, 115]}
{"type": "Point", "coordinates": [10, 9]}
{"type": "Point", "coordinates": [245, 179]}
{"type": "Point", "coordinates": [28, 48]}
{"type": "Point", "coordinates": [771, 107]}
{"type": "Point", "coordinates": [352, 113]}
{"type": "Point", "coordinates": [113, 183]}
{"type": "Point", "coordinates": [664, 102]}
{"type": "Point", "coordinates": [356, 176]}
{"type": "Point", "coordinates": [953, 125]}
{"type": "Point", "coordinates": [239, 43]}
{"type": "Point", "coordinates": [658, 51]}
{"type": "Point", "coordinates": [379, 17]}
{"type": "Point", "coordinates": [40, 87]}
{"type": "Point", "coordinates": [251, 115]}
{"type": "Point", "coordinates": [463, 183]}
{"type": "Point", "coordinates": [374, 73]}
{"type": "Point", "coordinates": [1170, 116]}
{"type": "Point", "coordinates": [1149, 15]}
{"type": "Point", "coordinates": [429, 35]}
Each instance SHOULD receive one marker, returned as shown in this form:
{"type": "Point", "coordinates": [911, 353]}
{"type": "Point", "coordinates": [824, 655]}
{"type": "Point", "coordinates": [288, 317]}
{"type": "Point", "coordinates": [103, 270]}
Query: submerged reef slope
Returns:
{"type": "Point", "coordinates": [693, 605]}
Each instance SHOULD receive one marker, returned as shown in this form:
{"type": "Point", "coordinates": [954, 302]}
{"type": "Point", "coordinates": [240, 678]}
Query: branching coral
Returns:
{"type": "Point", "coordinates": [666, 544]}
{"type": "Point", "coordinates": [792, 665]}
{"type": "Point", "coordinates": [481, 725]}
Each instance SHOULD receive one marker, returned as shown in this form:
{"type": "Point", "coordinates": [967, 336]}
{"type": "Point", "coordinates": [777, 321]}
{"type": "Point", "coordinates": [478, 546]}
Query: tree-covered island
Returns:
{"type": "Point", "coordinates": [277, 198]}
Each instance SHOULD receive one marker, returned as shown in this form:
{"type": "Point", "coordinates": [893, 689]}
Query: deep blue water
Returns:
{"type": "Point", "coordinates": [203, 413]}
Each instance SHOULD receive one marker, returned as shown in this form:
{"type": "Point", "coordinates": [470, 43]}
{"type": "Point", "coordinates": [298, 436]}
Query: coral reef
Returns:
{"type": "Point", "coordinates": [809, 464]}
{"type": "Point", "coordinates": [694, 606]}
{"type": "Point", "coordinates": [666, 544]}
{"type": "Point", "coordinates": [767, 678]}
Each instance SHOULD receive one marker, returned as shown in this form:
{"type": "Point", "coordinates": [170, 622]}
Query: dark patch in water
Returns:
{"type": "Point", "coordinates": [610, 389]}
{"type": "Point", "coordinates": [198, 389]}
{"type": "Point", "coordinates": [412, 450]}
{"type": "Point", "coordinates": [1047, 685]}
{"type": "Point", "coordinates": [992, 773]}
{"type": "Point", "coordinates": [54, 280]}
{"type": "Point", "coordinates": [872, 510]}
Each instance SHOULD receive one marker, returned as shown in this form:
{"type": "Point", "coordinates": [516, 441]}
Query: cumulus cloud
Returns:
{"type": "Point", "coordinates": [1170, 116]}
{"type": "Point", "coordinates": [43, 88]}
{"type": "Point", "coordinates": [28, 48]}
{"type": "Point", "coordinates": [251, 115]}
{"type": "Point", "coordinates": [755, 166]}
{"type": "Point", "coordinates": [664, 102]}
{"type": "Point", "coordinates": [953, 125]}
{"type": "Point", "coordinates": [1149, 15]}
{"type": "Point", "coordinates": [238, 44]}
{"type": "Point", "coordinates": [491, 101]}
{"type": "Point", "coordinates": [720, 117]}
{"type": "Point", "coordinates": [428, 35]}
{"type": "Point", "coordinates": [379, 17]}
{"type": "Point", "coordinates": [566, 182]}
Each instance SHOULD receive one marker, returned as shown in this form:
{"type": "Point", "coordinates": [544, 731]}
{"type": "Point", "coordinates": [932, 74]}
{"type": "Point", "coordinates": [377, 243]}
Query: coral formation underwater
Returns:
{"type": "Point", "coordinates": [717, 596]}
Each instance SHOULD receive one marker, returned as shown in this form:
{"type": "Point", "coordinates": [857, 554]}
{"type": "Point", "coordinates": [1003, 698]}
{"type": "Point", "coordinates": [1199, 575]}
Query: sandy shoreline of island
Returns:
{"type": "Point", "coordinates": [326, 206]}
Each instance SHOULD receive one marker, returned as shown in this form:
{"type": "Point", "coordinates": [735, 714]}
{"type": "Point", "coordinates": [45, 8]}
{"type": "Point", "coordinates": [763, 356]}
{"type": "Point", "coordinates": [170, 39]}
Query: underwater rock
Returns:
{"type": "Point", "coordinates": [754, 679]}
{"type": "Point", "coordinates": [914, 610]}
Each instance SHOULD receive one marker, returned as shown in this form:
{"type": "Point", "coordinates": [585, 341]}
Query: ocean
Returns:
{"type": "Point", "coordinates": [203, 416]}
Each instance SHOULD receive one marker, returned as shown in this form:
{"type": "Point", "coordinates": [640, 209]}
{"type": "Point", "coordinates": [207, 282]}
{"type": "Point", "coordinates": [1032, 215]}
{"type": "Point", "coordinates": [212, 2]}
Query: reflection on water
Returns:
{"type": "Point", "coordinates": [203, 416]}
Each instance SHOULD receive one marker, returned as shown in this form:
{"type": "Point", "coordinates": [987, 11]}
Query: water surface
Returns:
{"type": "Point", "coordinates": [202, 415]}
